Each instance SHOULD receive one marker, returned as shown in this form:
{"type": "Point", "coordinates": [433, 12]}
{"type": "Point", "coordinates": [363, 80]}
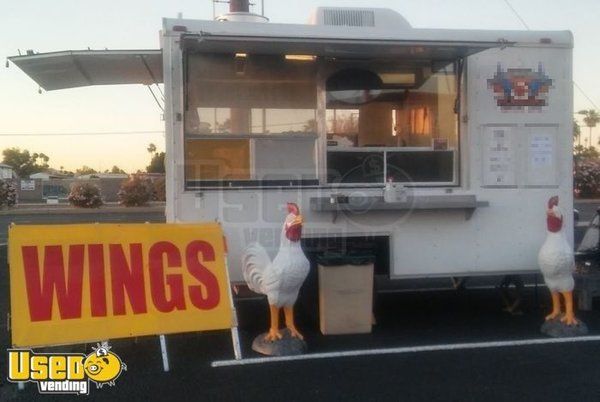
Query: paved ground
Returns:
{"type": "Point", "coordinates": [525, 373]}
{"type": "Point", "coordinates": [587, 209]}
{"type": "Point", "coordinates": [552, 372]}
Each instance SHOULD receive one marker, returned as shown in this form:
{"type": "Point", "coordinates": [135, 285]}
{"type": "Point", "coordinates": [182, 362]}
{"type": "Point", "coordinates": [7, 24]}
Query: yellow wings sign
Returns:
{"type": "Point", "coordinates": [88, 282]}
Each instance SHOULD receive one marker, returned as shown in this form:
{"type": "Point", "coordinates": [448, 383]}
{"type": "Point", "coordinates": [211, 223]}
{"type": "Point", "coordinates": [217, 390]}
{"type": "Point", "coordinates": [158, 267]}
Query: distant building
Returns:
{"type": "Point", "coordinates": [48, 175]}
{"type": "Point", "coordinates": [149, 176]}
{"type": "Point", "coordinates": [6, 172]}
{"type": "Point", "coordinates": [102, 176]}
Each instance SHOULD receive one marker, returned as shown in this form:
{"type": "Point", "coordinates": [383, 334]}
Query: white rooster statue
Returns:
{"type": "Point", "coordinates": [281, 278]}
{"type": "Point", "coordinates": [557, 264]}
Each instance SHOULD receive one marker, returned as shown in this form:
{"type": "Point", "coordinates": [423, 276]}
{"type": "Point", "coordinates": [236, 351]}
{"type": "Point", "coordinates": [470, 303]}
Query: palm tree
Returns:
{"type": "Point", "coordinates": [591, 119]}
{"type": "Point", "coordinates": [576, 132]}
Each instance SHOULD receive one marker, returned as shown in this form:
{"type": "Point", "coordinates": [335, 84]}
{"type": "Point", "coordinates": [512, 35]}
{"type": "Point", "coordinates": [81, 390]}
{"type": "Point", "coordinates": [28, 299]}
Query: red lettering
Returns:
{"type": "Point", "coordinates": [207, 296]}
{"type": "Point", "coordinates": [157, 277]}
{"type": "Point", "coordinates": [44, 279]}
{"type": "Point", "coordinates": [97, 280]}
{"type": "Point", "coordinates": [127, 278]}
{"type": "Point", "coordinates": [40, 290]}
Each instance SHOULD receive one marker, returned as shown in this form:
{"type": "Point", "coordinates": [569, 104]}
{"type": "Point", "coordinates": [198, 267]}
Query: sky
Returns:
{"type": "Point", "coordinates": [46, 26]}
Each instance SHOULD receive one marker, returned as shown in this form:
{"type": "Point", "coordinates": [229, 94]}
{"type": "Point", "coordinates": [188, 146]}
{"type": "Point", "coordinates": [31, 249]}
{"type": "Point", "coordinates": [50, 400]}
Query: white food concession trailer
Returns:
{"type": "Point", "coordinates": [434, 149]}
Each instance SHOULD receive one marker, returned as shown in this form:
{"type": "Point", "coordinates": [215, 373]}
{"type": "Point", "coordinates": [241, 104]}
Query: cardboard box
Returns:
{"type": "Point", "coordinates": [346, 299]}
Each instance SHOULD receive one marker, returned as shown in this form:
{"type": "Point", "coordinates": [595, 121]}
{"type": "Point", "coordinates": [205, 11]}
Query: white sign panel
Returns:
{"type": "Point", "coordinates": [498, 148]}
{"type": "Point", "coordinates": [27, 185]}
{"type": "Point", "coordinates": [541, 159]}
{"type": "Point", "coordinates": [541, 150]}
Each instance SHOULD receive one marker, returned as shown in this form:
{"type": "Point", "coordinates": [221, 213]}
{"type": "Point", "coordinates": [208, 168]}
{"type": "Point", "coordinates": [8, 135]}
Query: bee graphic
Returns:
{"type": "Point", "coordinates": [103, 366]}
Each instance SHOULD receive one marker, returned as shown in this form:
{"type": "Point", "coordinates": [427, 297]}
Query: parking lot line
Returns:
{"type": "Point", "coordinates": [404, 350]}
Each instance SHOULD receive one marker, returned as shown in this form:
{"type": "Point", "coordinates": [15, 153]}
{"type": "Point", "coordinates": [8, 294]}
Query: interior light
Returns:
{"type": "Point", "coordinates": [398, 78]}
{"type": "Point", "coordinates": [300, 57]}
{"type": "Point", "coordinates": [241, 55]}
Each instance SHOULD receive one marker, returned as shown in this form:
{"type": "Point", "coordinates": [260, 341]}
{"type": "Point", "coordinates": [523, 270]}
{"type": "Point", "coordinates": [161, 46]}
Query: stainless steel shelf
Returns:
{"type": "Point", "coordinates": [467, 203]}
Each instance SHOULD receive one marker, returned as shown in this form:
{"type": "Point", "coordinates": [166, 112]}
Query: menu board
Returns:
{"type": "Point", "coordinates": [541, 150]}
{"type": "Point", "coordinates": [498, 157]}
{"type": "Point", "coordinates": [541, 164]}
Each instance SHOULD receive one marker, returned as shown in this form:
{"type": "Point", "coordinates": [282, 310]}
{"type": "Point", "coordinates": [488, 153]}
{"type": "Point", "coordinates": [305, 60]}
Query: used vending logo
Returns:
{"type": "Point", "coordinates": [65, 373]}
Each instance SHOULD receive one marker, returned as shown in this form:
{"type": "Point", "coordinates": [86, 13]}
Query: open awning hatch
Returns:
{"type": "Point", "coordinates": [71, 69]}
{"type": "Point", "coordinates": [340, 48]}
{"type": "Point", "coordinates": [78, 68]}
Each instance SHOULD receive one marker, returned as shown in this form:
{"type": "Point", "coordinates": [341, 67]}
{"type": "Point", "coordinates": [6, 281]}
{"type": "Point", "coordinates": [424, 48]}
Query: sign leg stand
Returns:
{"type": "Point", "coordinates": [21, 386]}
{"type": "Point", "coordinates": [235, 334]}
{"type": "Point", "coordinates": [163, 351]}
{"type": "Point", "coordinates": [235, 338]}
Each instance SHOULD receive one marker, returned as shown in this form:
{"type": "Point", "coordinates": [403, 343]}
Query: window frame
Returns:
{"type": "Point", "coordinates": [321, 149]}
{"type": "Point", "coordinates": [199, 184]}
{"type": "Point", "coordinates": [456, 169]}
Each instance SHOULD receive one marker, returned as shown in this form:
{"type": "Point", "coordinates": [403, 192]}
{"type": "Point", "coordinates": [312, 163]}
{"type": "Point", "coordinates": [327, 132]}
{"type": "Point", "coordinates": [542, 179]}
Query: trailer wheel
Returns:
{"type": "Point", "coordinates": [511, 289]}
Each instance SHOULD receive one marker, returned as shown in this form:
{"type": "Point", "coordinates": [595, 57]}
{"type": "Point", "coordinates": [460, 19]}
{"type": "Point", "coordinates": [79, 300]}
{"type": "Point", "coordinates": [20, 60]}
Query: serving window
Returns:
{"type": "Point", "coordinates": [252, 120]}
{"type": "Point", "coordinates": [249, 120]}
{"type": "Point", "coordinates": [389, 121]}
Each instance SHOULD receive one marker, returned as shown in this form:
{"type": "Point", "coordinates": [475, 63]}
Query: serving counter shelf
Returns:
{"type": "Point", "coordinates": [358, 204]}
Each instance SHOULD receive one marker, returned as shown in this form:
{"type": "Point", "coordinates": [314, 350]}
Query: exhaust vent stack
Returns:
{"type": "Point", "coordinates": [239, 11]}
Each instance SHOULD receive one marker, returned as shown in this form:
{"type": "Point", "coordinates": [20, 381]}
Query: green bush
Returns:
{"type": "Point", "coordinates": [85, 195]}
{"type": "Point", "coordinates": [8, 193]}
{"type": "Point", "coordinates": [160, 192]}
{"type": "Point", "coordinates": [135, 192]}
{"type": "Point", "coordinates": [586, 178]}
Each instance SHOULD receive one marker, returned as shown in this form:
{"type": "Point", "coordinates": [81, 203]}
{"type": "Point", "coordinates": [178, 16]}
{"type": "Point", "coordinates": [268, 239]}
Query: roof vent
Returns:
{"type": "Point", "coordinates": [241, 16]}
{"type": "Point", "coordinates": [239, 11]}
{"type": "Point", "coordinates": [381, 18]}
{"type": "Point", "coordinates": [349, 17]}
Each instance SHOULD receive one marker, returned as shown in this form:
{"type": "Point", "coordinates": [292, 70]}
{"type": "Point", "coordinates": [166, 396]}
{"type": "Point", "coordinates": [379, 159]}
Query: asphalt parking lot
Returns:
{"type": "Point", "coordinates": [513, 371]}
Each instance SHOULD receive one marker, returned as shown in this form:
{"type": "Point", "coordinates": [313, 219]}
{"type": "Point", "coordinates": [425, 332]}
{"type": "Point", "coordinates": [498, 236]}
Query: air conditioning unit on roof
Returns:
{"type": "Point", "coordinates": [380, 18]}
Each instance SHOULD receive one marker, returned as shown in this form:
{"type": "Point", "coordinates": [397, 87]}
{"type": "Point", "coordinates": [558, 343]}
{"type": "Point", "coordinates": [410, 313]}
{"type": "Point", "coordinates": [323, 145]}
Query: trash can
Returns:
{"type": "Point", "coordinates": [345, 293]}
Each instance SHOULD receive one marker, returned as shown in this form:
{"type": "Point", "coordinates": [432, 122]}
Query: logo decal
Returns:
{"type": "Point", "coordinates": [520, 88]}
{"type": "Point", "coordinates": [65, 373]}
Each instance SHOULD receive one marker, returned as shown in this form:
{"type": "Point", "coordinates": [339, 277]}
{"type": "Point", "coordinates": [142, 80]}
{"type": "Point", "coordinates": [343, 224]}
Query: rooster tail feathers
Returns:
{"type": "Point", "coordinates": [254, 262]}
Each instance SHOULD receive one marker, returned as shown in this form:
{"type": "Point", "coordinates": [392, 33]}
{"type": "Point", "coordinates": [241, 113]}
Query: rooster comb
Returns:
{"type": "Point", "coordinates": [553, 201]}
{"type": "Point", "coordinates": [293, 208]}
